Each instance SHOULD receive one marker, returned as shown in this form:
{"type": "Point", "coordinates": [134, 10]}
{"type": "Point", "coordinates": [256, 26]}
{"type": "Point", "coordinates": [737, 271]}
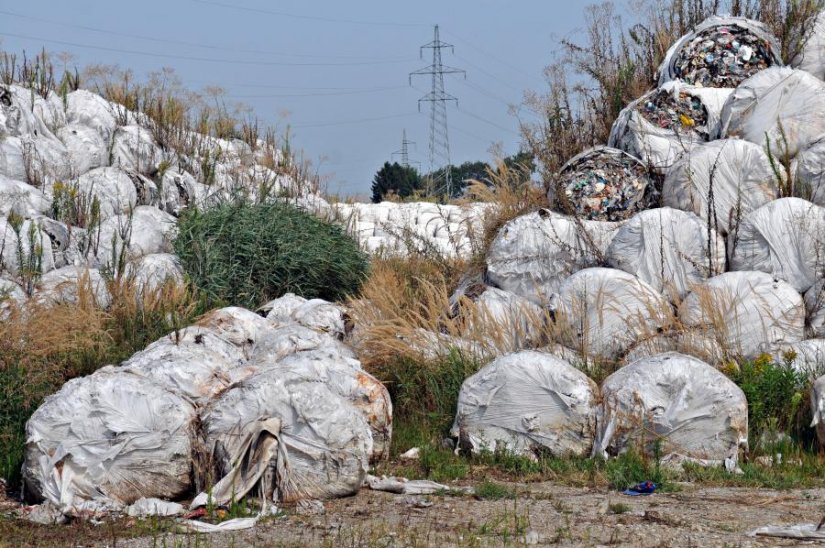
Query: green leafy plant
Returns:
{"type": "Point", "coordinates": [246, 254]}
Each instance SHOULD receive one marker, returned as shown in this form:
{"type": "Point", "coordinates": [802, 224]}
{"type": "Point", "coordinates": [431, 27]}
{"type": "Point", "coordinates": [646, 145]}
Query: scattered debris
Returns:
{"type": "Point", "coordinates": [677, 111]}
{"type": "Point", "coordinates": [412, 454]}
{"type": "Point", "coordinates": [643, 489]}
{"type": "Point", "coordinates": [603, 184]}
{"type": "Point", "coordinates": [805, 531]}
{"type": "Point", "coordinates": [154, 507]}
{"type": "Point", "coordinates": [310, 508]}
{"type": "Point", "coordinates": [403, 486]}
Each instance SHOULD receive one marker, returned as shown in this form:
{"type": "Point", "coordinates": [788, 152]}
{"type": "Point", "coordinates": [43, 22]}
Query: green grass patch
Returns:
{"type": "Point", "coordinates": [488, 490]}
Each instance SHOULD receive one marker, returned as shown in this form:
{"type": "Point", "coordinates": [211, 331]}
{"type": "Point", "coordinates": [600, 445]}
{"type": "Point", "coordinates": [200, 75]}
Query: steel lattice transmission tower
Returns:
{"type": "Point", "coordinates": [405, 150]}
{"type": "Point", "coordinates": [438, 99]}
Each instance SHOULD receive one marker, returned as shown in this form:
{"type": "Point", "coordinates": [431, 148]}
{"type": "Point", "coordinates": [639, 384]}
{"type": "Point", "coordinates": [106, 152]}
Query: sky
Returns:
{"type": "Point", "coordinates": [336, 72]}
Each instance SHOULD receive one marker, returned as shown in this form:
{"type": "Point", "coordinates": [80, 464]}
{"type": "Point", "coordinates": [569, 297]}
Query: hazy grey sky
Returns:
{"type": "Point", "coordinates": [338, 68]}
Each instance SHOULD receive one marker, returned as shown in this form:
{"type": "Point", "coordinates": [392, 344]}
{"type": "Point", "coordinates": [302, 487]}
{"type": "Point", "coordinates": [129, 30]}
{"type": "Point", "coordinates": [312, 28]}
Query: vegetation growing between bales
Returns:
{"type": "Point", "coordinates": [246, 254]}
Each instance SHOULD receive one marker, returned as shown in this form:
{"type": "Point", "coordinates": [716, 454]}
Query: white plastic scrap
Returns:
{"type": "Point", "coordinates": [684, 404]}
{"type": "Point", "coordinates": [779, 107]}
{"type": "Point", "coordinates": [784, 238]}
{"type": "Point", "coordinates": [749, 311]}
{"type": "Point", "coordinates": [109, 437]}
{"type": "Point", "coordinates": [668, 249]}
{"type": "Point", "coordinates": [527, 403]}
{"type": "Point", "coordinates": [602, 312]}
{"type": "Point", "coordinates": [145, 507]}
{"type": "Point", "coordinates": [729, 177]}
{"type": "Point", "coordinates": [403, 486]}
{"type": "Point", "coordinates": [803, 531]}
{"type": "Point", "coordinates": [660, 147]}
{"type": "Point", "coordinates": [532, 255]}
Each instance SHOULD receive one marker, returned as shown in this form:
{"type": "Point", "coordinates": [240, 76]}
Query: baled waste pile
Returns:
{"type": "Point", "coordinates": [262, 405]}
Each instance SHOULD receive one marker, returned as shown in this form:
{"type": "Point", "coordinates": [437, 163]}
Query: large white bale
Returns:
{"type": "Point", "coordinates": [778, 107]}
{"type": "Point", "coordinates": [70, 283]}
{"type": "Point", "coordinates": [680, 402]}
{"type": "Point", "coordinates": [50, 111]}
{"type": "Point", "coordinates": [22, 198]}
{"type": "Point", "coordinates": [240, 326]}
{"type": "Point", "coordinates": [316, 442]}
{"type": "Point", "coordinates": [527, 403]}
{"type": "Point", "coordinates": [699, 343]}
{"type": "Point", "coordinates": [518, 321]}
{"type": "Point", "coordinates": [316, 314]}
{"type": "Point", "coordinates": [151, 272]}
{"type": "Point", "coordinates": [134, 148]}
{"type": "Point", "coordinates": [278, 342]}
{"type": "Point", "coordinates": [659, 147]}
{"type": "Point", "coordinates": [809, 176]}
{"type": "Point", "coordinates": [720, 182]}
{"type": "Point", "coordinates": [86, 148]}
{"type": "Point", "coordinates": [669, 249]}
{"type": "Point", "coordinates": [809, 49]}
{"type": "Point", "coordinates": [818, 408]}
{"type": "Point", "coordinates": [25, 250]}
{"type": "Point", "coordinates": [602, 312]}
{"type": "Point", "coordinates": [40, 160]}
{"type": "Point", "coordinates": [93, 111]}
{"type": "Point", "coordinates": [815, 310]}
{"type": "Point", "coordinates": [11, 297]}
{"type": "Point", "coordinates": [16, 116]}
{"type": "Point", "coordinates": [749, 312]}
{"type": "Point", "coordinates": [690, 47]}
{"type": "Point", "coordinates": [113, 187]}
{"type": "Point", "coordinates": [111, 436]}
{"type": "Point", "coordinates": [532, 255]}
{"type": "Point", "coordinates": [806, 357]}
{"type": "Point", "coordinates": [784, 238]}
{"type": "Point", "coordinates": [143, 231]}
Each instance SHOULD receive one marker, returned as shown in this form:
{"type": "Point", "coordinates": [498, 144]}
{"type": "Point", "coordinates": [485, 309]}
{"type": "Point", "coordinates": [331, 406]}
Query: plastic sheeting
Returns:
{"type": "Point", "coordinates": [11, 296]}
{"type": "Point", "coordinates": [659, 147]}
{"type": "Point", "coordinates": [749, 312]}
{"type": "Point", "coordinates": [818, 408]}
{"type": "Point", "coordinates": [291, 440]}
{"type": "Point", "coordinates": [113, 188]}
{"type": "Point", "coordinates": [734, 70]}
{"type": "Point", "coordinates": [109, 437]}
{"type": "Point", "coordinates": [134, 148]}
{"type": "Point", "coordinates": [65, 285]}
{"type": "Point", "coordinates": [532, 255]}
{"type": "Point", "coordinates": [720, 182]}
{"type": "Point", "coordinates": [86, 148]}
{"type": "Point", "coordinates": [807, 356]}
{"type": "Point", "coordinates": [143, 231]}
{"type": "Point", "coordinates": [22, 198]}
{"type": "Point", "coordinates": [810, 49]}
{"type": "Point", "coordinates": [601, 312]}
{"type": "Point", "coordinates": [815, 309]}
{"type": "Point", "coordinates": [527, 403]}
{"type": "Point", "coordinates": [27, 248]}
{"type": "Point", "coordinates": [151, 272]}
{"type": "Point", "coordinates": [313, 313]}
{"type": "Point", "coordinates": [779, 107]}
{"type": "Point", "coordinates": [93, 111]}
{"type": "Point", "coordinates": [809, 177]}
{"type": "Point", "coordinates": [698, 343]}
{"type": "Point", "coordinates": [784, 238]}
{"type": "Point", "coordinates": [668, 249]}
{"type": "Point", "coordinates": [519, 322]}
{"type": "Point", "coordinates": [684, 404]}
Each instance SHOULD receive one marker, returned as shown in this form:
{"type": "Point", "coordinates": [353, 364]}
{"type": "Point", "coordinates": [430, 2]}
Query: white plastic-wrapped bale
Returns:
{"type": "Point", "coordinates": [779, 108]}
{"type": "Point", "coordinates": [748, 311]}
{"type": "Point", "coordinates": [179, 189]}
{"type": "Point", "coordinates": [602, 184]}
{"type": "Point", "coordinates": [194, 362]}
{"type": "Point", "coordinates": [669, 249]}
{"type": "Point", "coordinates": [807, 357]}
{"type": "Point", "coordinates": [809, 176]}
{"type": "Point", "coordinates": [71, 283]}
{"type": "Point", "coordinates": [49, 110]}
{"type": "Point", "coordinates": [25, 249]}
{"type": "Point", "coordinates": [135, 148]}
{"type": "Point", "coordinates": [675, 401]}
{"type": "Point", "coordinates": [721, 52]}
{"type": "Point", "coordinates": [346, 378]}
{"type": "Point", "coordinates": [602, 312]}
{"type": "Point", "coordinates": [784, 238]}
{"type": "Point", "coordinates": [11, 297]}
{"type": "Point", "coordinates": [23, 199]}
{"type": "Point", "coordinates": [532, 255]}
{"type": "Point", "coordinates": [93, 111]}
{"type": "Point", "coordinates": [528, 403]}
{"type": "Point", "coordinates": [698, 343]}
{"type": "Point", "coordinates": [113, 188]}
{"type": "Point", "coordinates": [151, 272]}
{"type": "Point", "coordinates": [517, 322]}
{"type": "Point", "coordinates": [818, 408]}
{"type": "Point", "coordinates": [16, 116]}
{"type": "Point", "coordinates": [720, 182]}
{"type": "Point", "coordinates": [276, 343]}
{"type": "Point", "coordinates": [40, 160]}
{"type": "Point", "coordinates": [809, 48]}
{"type": "Point", "coordinates": [666, 123]}
{"type": "Point", "coordinates": [316, 314]}
{"type": "Point", "coordinates": [815, 310]}
{"type": "Point", "coordinates": [143, 231]}
{"type": "Point", "coordinates": [291, 440]}
{"type": "Point", "coordinates": [86, 148]}
{"type": "Point", "coordinates": [240, 326]}
{"type": "Point", "coordinates": [109, 437]}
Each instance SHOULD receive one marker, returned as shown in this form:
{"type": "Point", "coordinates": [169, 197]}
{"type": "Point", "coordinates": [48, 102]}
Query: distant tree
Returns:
{"type": "Point", "coordinates": [480, 171]}
{"type": "Point", "coordinates": [395, 179]}
{"type": "Point", "coordinates": [521, 160]}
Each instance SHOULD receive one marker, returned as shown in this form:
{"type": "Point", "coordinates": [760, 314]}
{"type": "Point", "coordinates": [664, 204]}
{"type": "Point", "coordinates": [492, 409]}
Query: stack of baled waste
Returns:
{"type": "Point", "coordinates": [534, 403]}
{"type": "Point", "coordinates": [239, 403]}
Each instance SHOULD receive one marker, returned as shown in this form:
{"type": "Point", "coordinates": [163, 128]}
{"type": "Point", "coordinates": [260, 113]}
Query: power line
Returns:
{"type": "Point", "coordinates": [120, 34]}
{"type": "Point", "coordinates": [486, 121]}
{"type": "Point", "coordinates": [312, 17]}
{"type": "Point", "coordinates": [199, 59]}
{"type": "Point", "coordinates": [351, 122]}
{"type": "Point", "coordinates": [490, 74]}
{"type": "Point", "coordinates": [331, 94]}
{"type": "Point", "coordinates": [493, 57]}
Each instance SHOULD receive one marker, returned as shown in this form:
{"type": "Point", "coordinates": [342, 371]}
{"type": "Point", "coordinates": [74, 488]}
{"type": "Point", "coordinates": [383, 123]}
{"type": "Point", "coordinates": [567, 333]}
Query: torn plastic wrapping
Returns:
{"type": "Point", "coordinates": [721, 52]}
{"type": "Point", "coordinates": [749, 312]}
{"type": "Point", "coordinates": [784, 238]}
{"type": "Point", "coordinates": [532, 255]}
{"type": "Point", "coordinates": [668, 249]}
{"type": "Point", "coordinates": [729, 177]}
{"type": "Point", "coordinates": [602, 184]}
{"type": "Point", "coordinates": [527, 403]}
{"type": "Point", "coordinates": [780, 108]}
{"type": "Point", "coordinates": [111, 437]}
{"type": "Point", "coordinates": [666, 123]}
{"type": "Point", "coordinates": [602, 312]}
{"type": "Point", "coordinates": [677, 402]}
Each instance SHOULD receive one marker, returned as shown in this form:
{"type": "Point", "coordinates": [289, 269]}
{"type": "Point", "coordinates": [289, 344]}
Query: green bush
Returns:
{"type": "Point", "coordinates": [246, 254]}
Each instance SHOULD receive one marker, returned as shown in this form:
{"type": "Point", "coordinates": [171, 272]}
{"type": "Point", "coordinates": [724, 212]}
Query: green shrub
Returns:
{"type": "Point", "coordinates": [246, 254]}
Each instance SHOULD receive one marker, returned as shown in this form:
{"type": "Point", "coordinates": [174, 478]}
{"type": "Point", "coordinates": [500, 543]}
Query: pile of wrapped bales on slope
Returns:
{"type": "Point", "coordinates": [277, 405]}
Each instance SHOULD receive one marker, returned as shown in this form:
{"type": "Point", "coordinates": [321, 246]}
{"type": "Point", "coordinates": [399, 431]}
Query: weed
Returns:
{"type": "Point", "coordinates": [618, 508]}
{"type": "Point", "coordinates": [488, 490]}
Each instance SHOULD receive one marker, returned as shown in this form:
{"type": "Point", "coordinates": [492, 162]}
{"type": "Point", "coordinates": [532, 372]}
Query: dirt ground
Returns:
{"type": "Point", "coordinates": [542, 514]}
